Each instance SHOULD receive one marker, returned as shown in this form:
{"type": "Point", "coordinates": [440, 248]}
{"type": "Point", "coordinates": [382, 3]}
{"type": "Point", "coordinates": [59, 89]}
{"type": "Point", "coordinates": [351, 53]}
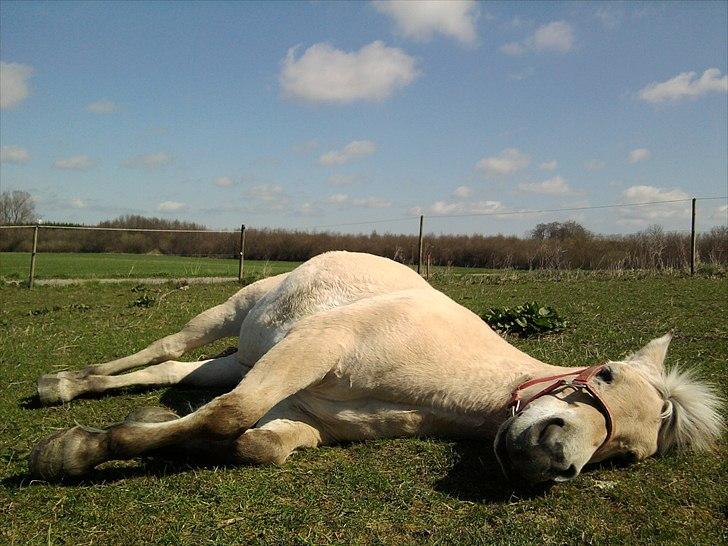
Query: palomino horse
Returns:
{"type": "Point", "coordinates": [352, 346]}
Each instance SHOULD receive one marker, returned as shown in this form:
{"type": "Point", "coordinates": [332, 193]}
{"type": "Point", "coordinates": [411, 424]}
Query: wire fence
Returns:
{"type": "Point", "coordinates": [409, 239]}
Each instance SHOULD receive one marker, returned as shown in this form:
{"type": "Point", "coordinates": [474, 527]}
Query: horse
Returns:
{"type": "Point", "coordinates": [350, 347]}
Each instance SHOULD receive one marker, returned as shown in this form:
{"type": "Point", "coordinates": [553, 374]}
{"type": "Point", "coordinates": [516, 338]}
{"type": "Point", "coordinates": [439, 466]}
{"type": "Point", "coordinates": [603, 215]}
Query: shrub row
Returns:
{"type": "Point", "coordinates": [649, 249]}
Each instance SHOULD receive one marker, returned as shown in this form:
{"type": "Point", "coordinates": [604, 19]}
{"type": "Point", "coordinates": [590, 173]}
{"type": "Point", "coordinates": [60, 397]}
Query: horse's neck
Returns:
{"type": "Point", "coordinates": [491, 386]}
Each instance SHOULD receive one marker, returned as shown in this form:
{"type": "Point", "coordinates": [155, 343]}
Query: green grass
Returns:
{"type": "Point", "coordinates": [62, 265]}
{"type": "Point", "coordinates": [69, 265]}
{"type": "Point", "coordinates": [387, 491]}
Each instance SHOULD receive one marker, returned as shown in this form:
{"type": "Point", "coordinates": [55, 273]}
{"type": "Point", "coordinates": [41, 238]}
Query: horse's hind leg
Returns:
{"type": "Point", "coordinates": [295, 363]}
{"type": "Point", "coordinates": [212, 373]}
{"type": "Point", "coordinates": [221, 321]}
{"type": "Point", "coordinates": [218, 322]}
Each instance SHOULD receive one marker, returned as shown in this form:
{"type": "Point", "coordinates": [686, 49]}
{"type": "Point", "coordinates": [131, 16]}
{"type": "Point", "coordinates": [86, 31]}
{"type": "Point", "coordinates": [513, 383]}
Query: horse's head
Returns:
{"type": "Point", "coordinates": [651, 410]}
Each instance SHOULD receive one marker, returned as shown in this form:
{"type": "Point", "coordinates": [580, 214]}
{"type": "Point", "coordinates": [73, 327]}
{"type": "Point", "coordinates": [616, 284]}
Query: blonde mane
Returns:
{"type": "Point", "coordinates": [691, 418]}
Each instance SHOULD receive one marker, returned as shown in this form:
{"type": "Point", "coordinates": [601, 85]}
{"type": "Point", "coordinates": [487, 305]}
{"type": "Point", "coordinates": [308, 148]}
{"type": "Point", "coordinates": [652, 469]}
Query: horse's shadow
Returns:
{"type": "Point", "coordinates": [476, 477]}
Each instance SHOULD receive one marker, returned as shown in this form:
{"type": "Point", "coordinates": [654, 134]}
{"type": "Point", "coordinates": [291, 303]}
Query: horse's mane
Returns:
{"type": "Point", "coordinates": [692, 418]}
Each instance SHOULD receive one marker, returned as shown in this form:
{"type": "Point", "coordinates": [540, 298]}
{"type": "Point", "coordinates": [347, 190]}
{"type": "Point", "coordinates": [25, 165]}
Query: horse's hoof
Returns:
{"type": "Point", "coordinates": [151, 414]}
{"type": "Point", "coordinates": [68, 453]}
{"type": "Point", "coordinates": [57, 388]}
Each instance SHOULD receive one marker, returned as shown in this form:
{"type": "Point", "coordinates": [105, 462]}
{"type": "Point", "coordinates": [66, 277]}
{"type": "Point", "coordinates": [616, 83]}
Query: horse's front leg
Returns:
{"type": "Point", "coordinates": [295, 363]}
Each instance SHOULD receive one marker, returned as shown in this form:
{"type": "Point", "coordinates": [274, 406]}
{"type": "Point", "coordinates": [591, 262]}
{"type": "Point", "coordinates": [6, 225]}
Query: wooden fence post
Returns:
{"type": "Point", "coordinates": [692, 241]}
{"type": "Point", "coordinates": [419, 261]}
{"type": "Point", "coordinates": [241, 262]}
{"type": "Point", "coordinates": [31, 278]}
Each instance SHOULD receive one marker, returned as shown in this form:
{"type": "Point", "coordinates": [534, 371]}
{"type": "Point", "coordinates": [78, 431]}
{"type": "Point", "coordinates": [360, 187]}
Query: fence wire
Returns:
{"type": "Point", "coordinates": [651, 248]}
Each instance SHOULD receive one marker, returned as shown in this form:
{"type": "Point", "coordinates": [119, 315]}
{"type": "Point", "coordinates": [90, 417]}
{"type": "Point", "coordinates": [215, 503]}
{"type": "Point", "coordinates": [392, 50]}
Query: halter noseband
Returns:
{"type": "Point", "coordinates": [579, 379]}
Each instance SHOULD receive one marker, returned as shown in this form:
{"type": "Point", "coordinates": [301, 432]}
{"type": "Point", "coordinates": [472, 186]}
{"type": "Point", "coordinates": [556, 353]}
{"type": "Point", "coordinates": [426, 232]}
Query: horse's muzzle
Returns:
{"type": "Point", "coordinates": [534, 454]}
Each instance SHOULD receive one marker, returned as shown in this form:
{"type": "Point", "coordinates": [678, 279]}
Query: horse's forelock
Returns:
{"type": "Point", "coordinates": [692, 417]}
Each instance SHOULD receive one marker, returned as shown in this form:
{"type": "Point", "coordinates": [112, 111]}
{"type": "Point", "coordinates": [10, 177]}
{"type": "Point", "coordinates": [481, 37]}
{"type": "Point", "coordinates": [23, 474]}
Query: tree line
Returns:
{"type": "Point", "coordinates": [548, 246]}
{"type": "Point", "coordinates": [553, 245]}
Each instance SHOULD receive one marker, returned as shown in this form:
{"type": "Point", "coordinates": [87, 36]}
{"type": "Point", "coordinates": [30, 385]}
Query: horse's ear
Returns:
{"type": "Point", "coordinates": [653, 354]}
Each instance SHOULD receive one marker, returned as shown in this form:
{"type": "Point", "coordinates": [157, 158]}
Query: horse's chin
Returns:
{"type": "Point", "coordinates": [501, 452]}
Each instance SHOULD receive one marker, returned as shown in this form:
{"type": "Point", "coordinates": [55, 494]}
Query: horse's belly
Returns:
{"type": "Point", "coordinates": [360, 419]}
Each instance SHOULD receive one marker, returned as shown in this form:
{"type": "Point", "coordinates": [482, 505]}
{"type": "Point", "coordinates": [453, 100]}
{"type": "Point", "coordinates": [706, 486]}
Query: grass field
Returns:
{"type": "Point", "coordinates": [387, 491]}
{"type": "Point", "coordinates": [65, 265]}
{"type": "Point", "coordinates": [62, 265]}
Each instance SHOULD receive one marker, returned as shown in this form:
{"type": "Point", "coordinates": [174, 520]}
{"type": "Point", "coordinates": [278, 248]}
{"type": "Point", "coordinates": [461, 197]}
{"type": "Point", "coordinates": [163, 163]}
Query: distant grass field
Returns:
{"type": "Point", "coordinates": [62, 265]}
{"type": "Point", "coordinates": [379, 492]}
{"type": "Point", "coordinates": [15, 265]}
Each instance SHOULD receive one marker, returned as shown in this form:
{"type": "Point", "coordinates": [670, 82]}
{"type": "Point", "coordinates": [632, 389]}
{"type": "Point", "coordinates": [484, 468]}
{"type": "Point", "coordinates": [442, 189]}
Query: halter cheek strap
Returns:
{"type": "Point", "coordinates": [579, 379]}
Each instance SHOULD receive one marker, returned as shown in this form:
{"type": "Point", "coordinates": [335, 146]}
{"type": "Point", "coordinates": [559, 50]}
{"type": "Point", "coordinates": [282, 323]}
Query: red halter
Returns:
{"type": "Point", "coordinates": [580, 379]}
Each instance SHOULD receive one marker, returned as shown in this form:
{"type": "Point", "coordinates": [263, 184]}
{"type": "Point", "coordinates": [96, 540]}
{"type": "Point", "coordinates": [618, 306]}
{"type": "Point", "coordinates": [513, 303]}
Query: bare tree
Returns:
{"type": "Point", "coordinates": [560, 230]}
{"type": "Point", "coordinates": [17, 207]}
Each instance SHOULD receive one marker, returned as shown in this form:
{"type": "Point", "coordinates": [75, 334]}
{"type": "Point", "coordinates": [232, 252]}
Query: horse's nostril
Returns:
{"type": "Point", "coordinates": [568, 474]}
{"type": "Point", "coordinates": [550, 427]}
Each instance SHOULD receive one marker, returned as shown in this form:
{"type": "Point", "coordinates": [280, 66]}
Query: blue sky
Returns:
{"type": "Point", "coordinates": [313, 114]}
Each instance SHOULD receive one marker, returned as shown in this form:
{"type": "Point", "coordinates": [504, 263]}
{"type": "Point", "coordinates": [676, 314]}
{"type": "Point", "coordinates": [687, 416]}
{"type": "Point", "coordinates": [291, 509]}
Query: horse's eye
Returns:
{"type": "Point", "coordinates": [605, 374]}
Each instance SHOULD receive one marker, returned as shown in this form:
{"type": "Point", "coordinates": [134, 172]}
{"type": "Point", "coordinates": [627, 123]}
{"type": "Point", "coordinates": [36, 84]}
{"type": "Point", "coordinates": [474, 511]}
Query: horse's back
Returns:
{"type": "Point", "coordinates": [329, 280]}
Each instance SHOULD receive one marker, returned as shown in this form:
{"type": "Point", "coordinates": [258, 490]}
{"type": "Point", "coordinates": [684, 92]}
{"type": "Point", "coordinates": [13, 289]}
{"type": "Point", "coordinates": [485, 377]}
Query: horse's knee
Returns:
{"type": "Point", "coordinates": [260, 446]}
{"type": "Point", "coordinates": [225, 417]}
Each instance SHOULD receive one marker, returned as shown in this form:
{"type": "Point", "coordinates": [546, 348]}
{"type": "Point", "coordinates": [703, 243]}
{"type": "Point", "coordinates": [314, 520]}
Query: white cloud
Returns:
{"type": "Point", "coordinates": [594, 165]}
{"type": "Point", "coordinates": [646, 194]}
{"type": "Point", "coordinates": [509, 161]}
{"type": "Point", "coordinates": [643, 215]}
{"type": "Point", "coordinates": [337, 199]}
{"type": "Point", "coordinates": [171, 206]}
{"type": "Point", "coordinates": [14, 86]}
{"type": "Point", "coordinates": [342, 179]}
{"type": "Point", "coordinates": [223, 182]}
{"type": "Point", "coordinates": [266, 192]}
{"type": "Point", "coordinates": [74, 163]}
{"type": "Point", "coordinates": [14, 154]}
{"type": "Point", "coordinates": [78, 203]}
{"type": "Point", "coordinates": [684, 85]}
{"type": "Point", "coordinates": [366, 202]}
{"type": "Point", "coordinates": [355, 149]}
{"type": "Point", "coordinates": [553, 186]}
{"type": "Point", "coordinates": [475, 207]}
{"type": "Point", "coordinates": [557, 36]}
{"type": "Point", "coordinates": [639, 154]}
{"type": "Point", "coordinates": [463, 192]}
{"type": "Point", "coordinates": [549, 165]}
{"type": "Point", "coordinates": [721, 214]}
{"type": "Point", "coordinates": [148, 161]}
{"type": "Point", "coordinates": [329, 75]}
{"type": "Point", "coordinates": [372, 202]}
{"type": "Point", "coordinates": [101, 107]}
{"type": "Point", "coordinates": [421, 20]}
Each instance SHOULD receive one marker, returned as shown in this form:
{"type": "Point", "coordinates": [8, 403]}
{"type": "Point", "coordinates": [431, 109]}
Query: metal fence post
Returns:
{"type": "Point", "coordinates": [31, 278]}
{"type": "Point", "coordinates": [241, 262]}
{"type": "Point", "coordinates": [692, 241]}
{"type": "Point", "coordinates": [419, 261]}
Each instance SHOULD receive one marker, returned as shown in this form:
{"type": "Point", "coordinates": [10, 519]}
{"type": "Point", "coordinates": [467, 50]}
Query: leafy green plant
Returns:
{"type": "Point", "coordinates": [529, 319]}
{"type": "Point", "coordinates": [143, 301]}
